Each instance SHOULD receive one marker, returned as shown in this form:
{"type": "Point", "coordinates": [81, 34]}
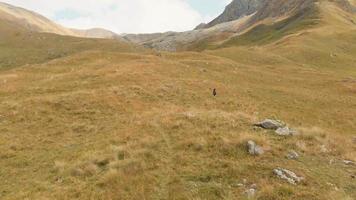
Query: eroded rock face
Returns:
{"type": "Point", "coordinates": [235, 10]}
{"type": "Point", "coordinates": [287, 175]}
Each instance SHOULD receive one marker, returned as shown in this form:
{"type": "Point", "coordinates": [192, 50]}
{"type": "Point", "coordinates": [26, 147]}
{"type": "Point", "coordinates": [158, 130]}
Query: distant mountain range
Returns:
{"type": "Point", "coordinates": [240, 17]}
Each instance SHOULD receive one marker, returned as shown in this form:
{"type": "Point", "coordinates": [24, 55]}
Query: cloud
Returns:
{"type": "Point", "coordinates": [121, 16]}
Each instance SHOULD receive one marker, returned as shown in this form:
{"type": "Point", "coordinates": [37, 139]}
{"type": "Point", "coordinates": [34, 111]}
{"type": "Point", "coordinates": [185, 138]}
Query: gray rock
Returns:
{"type": "Point", "coordinates": [348, 162]}
{"type": "Point", "coordinates": [285, 131]}
{"type": "Point", "coordinates": [287, 175]}
{"type": "Point", "coordinates": [235, 10]}
{"type": "Point", "coordinates": [293, 155]}
{"type": "Point", "coordinates": [254, 149]}
{"type": "Point", "coordinates": [270, 124]}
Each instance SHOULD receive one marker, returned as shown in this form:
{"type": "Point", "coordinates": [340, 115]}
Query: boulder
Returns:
{"type": "Point", "coordinates": [254, 149]}
{"type": "Point", "coordinates": [287, 175]}
{"type": "Point", "coordinates": [270, 124]}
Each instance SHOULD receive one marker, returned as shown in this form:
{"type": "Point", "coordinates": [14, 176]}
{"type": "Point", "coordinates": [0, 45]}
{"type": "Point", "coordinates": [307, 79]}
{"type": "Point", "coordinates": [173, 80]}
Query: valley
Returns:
{"type": "Point", "coordinates": [124, 118]}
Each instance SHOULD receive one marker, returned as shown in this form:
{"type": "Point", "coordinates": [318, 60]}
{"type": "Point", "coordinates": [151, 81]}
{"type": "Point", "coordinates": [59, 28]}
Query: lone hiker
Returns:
{"type": "Point", "coordinates": [214, 92]}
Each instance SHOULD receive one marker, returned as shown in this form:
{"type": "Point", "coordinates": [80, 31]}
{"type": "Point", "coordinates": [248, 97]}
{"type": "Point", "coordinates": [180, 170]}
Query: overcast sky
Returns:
{"type": "Point", "coordinates": [127, 16]}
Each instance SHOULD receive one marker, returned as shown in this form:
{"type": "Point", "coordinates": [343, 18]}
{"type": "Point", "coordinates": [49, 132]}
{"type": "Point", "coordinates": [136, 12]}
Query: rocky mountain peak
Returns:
{"type": "Point", "coordinates": [235, 10]}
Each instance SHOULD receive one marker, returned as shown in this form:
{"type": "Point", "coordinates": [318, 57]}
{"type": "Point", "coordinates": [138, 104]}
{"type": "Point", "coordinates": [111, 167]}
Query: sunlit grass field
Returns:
{"type": "Point", "coordinates": [108, 120]}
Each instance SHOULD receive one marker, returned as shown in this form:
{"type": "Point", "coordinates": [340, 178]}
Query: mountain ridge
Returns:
{"type": "Point", "coordinates": [222, 28]}
{"type": "Point", "coordinates": [235, 10]}
{"type": "Point", "coordinates": [32, 21]}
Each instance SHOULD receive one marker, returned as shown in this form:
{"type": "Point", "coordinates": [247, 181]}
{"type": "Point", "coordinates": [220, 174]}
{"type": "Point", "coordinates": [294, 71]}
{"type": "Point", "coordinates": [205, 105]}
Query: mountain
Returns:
{"type": "Point", "coordinates": [242, 16]}
{"type": "Point", "coordinates": [28, 38]}
{"type": "Point", "coordinates": [34, 22]}
{"type": "Point", "coordinates": [235, 10]}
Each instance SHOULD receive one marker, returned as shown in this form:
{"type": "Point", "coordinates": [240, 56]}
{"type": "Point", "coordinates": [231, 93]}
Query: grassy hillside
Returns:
{"type": "Point", "coordinates": [101, 125]}
{"type": "Point", "coordinates": [264, 34]}
{"type": "Point", "coordinates": [100, 119]}
{"type": "Point", "coordinates": [19, 46]}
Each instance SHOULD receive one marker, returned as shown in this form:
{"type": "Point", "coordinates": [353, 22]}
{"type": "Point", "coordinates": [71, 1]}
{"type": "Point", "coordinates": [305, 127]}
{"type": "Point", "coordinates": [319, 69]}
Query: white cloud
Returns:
{"type": "Point", "coordinates": [121, 16]}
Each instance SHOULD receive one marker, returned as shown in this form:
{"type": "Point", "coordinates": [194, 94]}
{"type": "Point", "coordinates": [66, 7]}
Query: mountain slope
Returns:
{"type": "Point", "coordinates": [21, 44]}
{"type": "Point", "coordinates": [103, 119]}
{"type": "Point", "coordinates": [235, 10]}
{"type": "Point", "coordinates": [267, 21]}
{"type": "Point", "coordinates": [37, 23]}
{"type": "Point", "coordinates": [30, 20]}
{"type": "Point", "coordinates": [325, 15]}
{"type": "Point", "coordinates": [111, 125]}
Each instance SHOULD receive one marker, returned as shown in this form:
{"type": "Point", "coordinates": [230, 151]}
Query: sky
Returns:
{"type": "Point", "coordinates": [127, 16]}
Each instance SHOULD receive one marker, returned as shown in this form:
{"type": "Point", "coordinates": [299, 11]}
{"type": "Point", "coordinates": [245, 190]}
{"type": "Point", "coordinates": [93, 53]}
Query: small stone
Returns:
{"type": "Point", "coordinates": [348, 162]}
{"type": "Point", "coordinates": [250, 193]}
{"type": "Point", "coordinates": [270, 124]}
{"type": "Point", "coordinates": [287, 175]}
{"type": "Point", "coordinates": [237, 185]}
{"type": "Point", "coordinates": [254, 149]}
{"type": "Point", "coordinates": [285, 131]}
{"type": "Point", "coordinates": [292, 155]}
{"type": "Point", "coordinates": [323, 149]}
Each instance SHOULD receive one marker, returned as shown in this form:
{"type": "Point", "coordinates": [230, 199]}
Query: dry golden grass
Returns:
{"type": "Point", "coordinates": [101, 125]}
{"type": "Point", "coordinates": [117, 124]}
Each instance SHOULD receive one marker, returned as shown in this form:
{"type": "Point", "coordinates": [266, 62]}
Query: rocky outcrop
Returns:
{"type": "Point", "coordinates": [279, 127]}
{"type": "Point", "coordinates": [239, 16]}
{"type": "Point", "coordinates": [235, 10]}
